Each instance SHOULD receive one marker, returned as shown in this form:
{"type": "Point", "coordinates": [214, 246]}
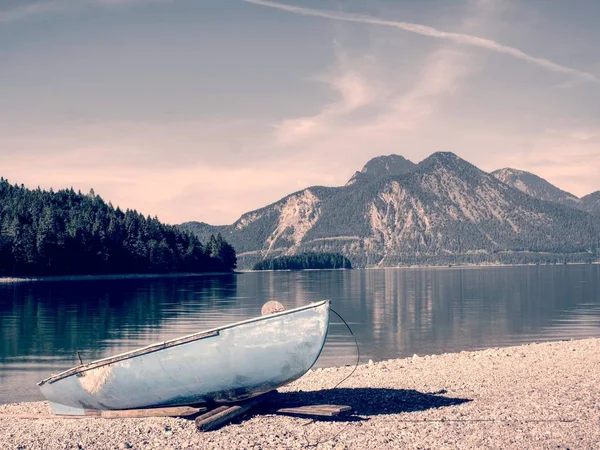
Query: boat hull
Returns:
{"type": "Point", "coordinates": [227, 364]}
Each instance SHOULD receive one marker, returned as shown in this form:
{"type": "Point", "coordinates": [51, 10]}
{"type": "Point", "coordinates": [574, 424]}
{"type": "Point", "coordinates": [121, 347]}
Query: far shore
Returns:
{"type": "Point", "coordinates": [132, 276]}
{"type": "Point", "coordinates": [123, 276]}
{"type": "Point", "coordinates": [481, 265]}
{"type": "Point", "coordinates": [431, 266]}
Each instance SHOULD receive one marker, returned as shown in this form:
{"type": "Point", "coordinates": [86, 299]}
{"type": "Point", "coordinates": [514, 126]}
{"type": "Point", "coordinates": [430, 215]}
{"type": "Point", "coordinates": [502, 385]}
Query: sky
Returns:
{"type": "Point", "coordinates": [207, 109]}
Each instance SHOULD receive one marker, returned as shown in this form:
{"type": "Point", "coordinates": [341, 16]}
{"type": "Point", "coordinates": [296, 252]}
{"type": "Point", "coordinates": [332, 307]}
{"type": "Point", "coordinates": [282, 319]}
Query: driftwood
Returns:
{"type": "Point", "coordinates": [315, 410]}
{"type": "Point", "coordinates": [222, 415]}
{"type": "Point", "coordinates": [207, 420]}
{"type": "Point", "coordinates": [214, 419]}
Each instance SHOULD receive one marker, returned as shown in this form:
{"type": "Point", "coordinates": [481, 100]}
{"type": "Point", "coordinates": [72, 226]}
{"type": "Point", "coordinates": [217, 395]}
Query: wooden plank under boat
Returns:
{"type": "Point", "coordinates": [223, 365]}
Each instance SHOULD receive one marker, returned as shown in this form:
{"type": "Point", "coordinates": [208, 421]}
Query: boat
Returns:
{"type": "Point", "coordinates": [222, 365]}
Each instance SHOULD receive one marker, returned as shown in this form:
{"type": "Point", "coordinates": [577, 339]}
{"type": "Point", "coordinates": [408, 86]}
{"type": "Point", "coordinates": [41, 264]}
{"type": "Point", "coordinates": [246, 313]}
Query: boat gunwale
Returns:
{"type": "Point", "coordinates": [157, 346]}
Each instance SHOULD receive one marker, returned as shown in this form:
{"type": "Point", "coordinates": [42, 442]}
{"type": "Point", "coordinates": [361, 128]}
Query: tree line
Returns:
{"type": "Point", "coordinates": [307, 260]}
{"type": "Point", "coordinates": [70, 233]}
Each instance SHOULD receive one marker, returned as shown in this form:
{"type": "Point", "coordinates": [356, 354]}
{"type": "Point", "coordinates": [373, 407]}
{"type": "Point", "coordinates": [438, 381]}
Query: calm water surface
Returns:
{"type": "Point", "coordinates": [393, 312]}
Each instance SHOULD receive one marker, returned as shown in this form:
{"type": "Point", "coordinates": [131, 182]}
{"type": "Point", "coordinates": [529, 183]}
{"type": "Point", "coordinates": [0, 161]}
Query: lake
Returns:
{"type": "Point", "coordinates": [394, 313]}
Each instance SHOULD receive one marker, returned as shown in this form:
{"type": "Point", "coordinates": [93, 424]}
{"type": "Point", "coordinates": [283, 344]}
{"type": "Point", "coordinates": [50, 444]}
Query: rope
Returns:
{"type": "Point", "coordinates": [345, 427]}
{"type": "Point", "coordinates": [355, 343]}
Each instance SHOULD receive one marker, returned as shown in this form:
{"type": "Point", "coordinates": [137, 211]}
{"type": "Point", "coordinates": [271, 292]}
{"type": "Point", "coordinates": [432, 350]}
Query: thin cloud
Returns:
{"type": "Point", "coordinates": [355, 93]}
{"type": "Point", "coordinates": [441, 76]}
{"type": "Point", "coordinates": [424, 30]}
{"type": "Point", "coordinates": [465, 39]}
{"type": "Point", "coordinates": [50, 6]}
{"type": "Point", "coordinates": [385, 108]}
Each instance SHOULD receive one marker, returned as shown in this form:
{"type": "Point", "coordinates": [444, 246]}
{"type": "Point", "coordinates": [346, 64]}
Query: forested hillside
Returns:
{"type": "Point", "coordinates": [308, 260]}
{"type": "Point", "coordinates": [68, 233]}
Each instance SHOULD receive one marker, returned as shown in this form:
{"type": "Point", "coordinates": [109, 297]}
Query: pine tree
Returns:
{"type": "Point", "coordinates": [64, 232]}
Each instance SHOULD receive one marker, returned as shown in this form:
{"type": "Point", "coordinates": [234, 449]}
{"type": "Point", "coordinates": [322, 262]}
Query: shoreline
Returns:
{"type": "Point", "coordinates": [440, 266]}
{"type": "Point", "coordinates": [132, 276]}
{"type": "Point", "coordinates": [484, 266]}
{"type": "Point", "coordinates": [531, 396]}
{"type": "Point", "coordinates": [125, 276]}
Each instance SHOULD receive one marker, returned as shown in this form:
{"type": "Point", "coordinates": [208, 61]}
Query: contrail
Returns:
{"type": "Point", "coordinates": [424, 30]}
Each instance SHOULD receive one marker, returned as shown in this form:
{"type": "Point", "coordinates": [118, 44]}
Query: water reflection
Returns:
{"type": "Point", "coordinates": [393, 312]}
{"type": "Point", "coordinates": [56, 318]}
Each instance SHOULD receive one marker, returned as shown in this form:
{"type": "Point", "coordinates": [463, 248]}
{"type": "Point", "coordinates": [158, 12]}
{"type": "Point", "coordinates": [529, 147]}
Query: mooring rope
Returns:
{"type": "Point", "coordinates": [345, 427]}
{"type": "Point", "coordinates": [355, 343]}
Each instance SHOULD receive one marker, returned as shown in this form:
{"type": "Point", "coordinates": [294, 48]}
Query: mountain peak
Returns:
{"type": "Point", "coordinates": [383, 166]}
{"type": "Point", "coordinates": [594, 195]}
{"type": "Point", "coordinates": [445, 155]}
{"type": "Point", "coordinates": [591, 203]}
{"type": "Point", "coordinates": [535, 186]}
{"type": "Point", "coordinates": [446, 160]}
{"type": "Point", "coordinates": [508, 172]}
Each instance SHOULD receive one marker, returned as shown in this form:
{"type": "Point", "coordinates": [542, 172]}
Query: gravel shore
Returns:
{"type": "Point", "coordinates": [534, 396]}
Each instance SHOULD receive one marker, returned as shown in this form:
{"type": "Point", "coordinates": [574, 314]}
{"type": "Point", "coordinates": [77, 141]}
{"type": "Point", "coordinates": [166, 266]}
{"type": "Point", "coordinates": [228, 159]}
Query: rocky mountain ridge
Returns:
{"type": "Point", "coordinates": [539, 188]}
{"type": "Point", "coordinates": [535, 186]}
{"type": "Point", "coordinates": [443, 210]}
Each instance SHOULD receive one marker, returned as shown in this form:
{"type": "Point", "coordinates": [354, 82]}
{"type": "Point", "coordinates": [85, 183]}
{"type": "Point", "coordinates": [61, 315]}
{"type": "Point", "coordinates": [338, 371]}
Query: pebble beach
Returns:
{"type": "Point", "coordinates": [534, 396]}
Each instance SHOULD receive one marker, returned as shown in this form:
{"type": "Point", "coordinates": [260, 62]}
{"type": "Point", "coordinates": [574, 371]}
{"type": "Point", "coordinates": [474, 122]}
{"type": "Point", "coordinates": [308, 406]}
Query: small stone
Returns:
{"type": "Point", "coordinates": [371, 363]}
{"type": "Point", "coordinates": [271, 307]}
{"type": "Point", "coordinates": [124, 445]}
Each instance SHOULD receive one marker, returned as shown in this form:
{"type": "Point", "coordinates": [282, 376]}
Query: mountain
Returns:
{"type": "Point", "coordinates": [591, 203]}
{"type": "Point", "coordinates": [539, 188]}
{"type": "Point", "coordinates": [202, 230]}
{"type": "Point", "coordinates": [383, 166]}
{"type": "Point", "coordinates": [443, 210]}
{"type": "Point", "coordinates": [535, 186]}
